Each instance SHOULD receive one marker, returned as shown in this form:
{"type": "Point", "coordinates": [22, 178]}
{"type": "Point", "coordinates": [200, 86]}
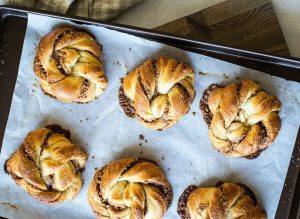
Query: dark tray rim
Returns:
{"type": "Point", "coordinates": [281, 66]}
{"type": "Point", "coordinates": [289, 204]}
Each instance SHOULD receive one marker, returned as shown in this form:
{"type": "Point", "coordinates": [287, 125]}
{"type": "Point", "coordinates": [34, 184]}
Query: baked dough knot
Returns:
{"type": "Point", "coordinates": [245, 119]}
{"type": "Point", "coordinates": [228, 200]}
{"type": "Point", "coordinates": [68, 64]}
{"type": "Point", "coordinates": [158, 92]}
{"type": "Point", "coordinates": [47, 165]}
{"type": "Point", "coordinates": [130, 188]}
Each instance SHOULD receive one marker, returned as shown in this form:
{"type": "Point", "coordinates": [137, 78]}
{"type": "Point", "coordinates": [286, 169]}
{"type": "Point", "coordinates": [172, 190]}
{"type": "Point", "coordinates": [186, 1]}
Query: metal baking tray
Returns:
{"type": "Point", "coordinates": [13, 23]}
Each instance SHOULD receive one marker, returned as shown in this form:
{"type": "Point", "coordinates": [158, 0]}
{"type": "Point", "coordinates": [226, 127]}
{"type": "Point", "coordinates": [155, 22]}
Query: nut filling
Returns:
{"type": "Point", "coordinates": [182, 202]}
{"type": "Point", "coordinates": [207, 115]}
{"type": "Point", "coordinates": [126, 104]}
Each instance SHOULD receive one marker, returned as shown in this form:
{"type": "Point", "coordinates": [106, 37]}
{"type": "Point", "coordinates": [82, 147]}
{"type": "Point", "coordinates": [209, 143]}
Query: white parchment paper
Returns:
{"type": "Point", "coordinates": [106, 133]}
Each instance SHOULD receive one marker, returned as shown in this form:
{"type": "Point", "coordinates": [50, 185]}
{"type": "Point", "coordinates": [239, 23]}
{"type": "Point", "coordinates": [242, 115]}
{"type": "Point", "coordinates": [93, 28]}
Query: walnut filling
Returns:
{"type": "Point", "coordinates": [84, 88]}
{"type": "Point", "coordinates": [126, 103]}
{"type": "Point", "coordinates": [39, 68]}
{"type": "Point", "coordinates": [56, 57]}
{"type": "Point", "coordinates": [182, 209]}
{"type": "Point", "coordinates": [5, 168]}
{"type": "Point", "coordinates": [92, 54]}
{"type": "Point", "coordinates": [99, 183]}
{"type": "Point", "coordinates": [144, 88]}
{"type": "Point", "coordinates": [8, 171]}
{"type": "Point", "coordinates": [166, 191]}
{"type": "Point", "coordinates": [186, 92]}
{"type": "Point", "coordinates": [154, 64]}
{"type": "Point", "coordinates": [264, 133]}
{"type": "Point", "coordinates": [24, 149]}
{"type": "Point", "coordinates": [223, 199]}
{"type": "Point", "coordinates": [207, 115]}
{"type": "Point", "coordinates": [58, 129]}
{"type": "Point", "coordinates": [45, 143]}
{"type": "Point", "coordinates": [249, 192]}
{"type": "Point", "coordinates": [254, 155]}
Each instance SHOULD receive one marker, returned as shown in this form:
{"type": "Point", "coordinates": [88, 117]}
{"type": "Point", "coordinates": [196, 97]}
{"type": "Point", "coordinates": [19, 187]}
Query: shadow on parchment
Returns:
{"type": "Point", "coordinates": [138, 151]}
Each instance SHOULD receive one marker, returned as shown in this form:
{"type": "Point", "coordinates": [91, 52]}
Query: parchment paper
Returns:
{"type": "Point", "coordinates": [106, 133]}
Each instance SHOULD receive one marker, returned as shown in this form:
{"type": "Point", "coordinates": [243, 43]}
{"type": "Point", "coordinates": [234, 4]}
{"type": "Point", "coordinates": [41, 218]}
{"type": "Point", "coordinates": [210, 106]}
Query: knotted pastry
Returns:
{"type": "Point", "coordinates": [158, 92]}
{"type": "Point", "coordinates": [243, 119]}
{"type": "Point", "coordinates": [47, 165]}
{"type": "Point", "coordinates": [68, 64]}
{"type": "Point", "coordinates": [130, 188]}
{"type": "Point", "coordinates": [224, 201]}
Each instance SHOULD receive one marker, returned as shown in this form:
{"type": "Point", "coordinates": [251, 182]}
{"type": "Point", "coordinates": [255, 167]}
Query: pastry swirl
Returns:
{"type": "Point", "coordinates": [68, 64]}
{"type": "Point", "coordinates": [224, 201]}
{"type": "Point", "coordinates": [47, 165]}
{"type": "Point", "coordinates": [130, 188]}
{"type": "Point", "coordinates": [243, 119]}
{"type": "Point", "coordinates": [158, 92]}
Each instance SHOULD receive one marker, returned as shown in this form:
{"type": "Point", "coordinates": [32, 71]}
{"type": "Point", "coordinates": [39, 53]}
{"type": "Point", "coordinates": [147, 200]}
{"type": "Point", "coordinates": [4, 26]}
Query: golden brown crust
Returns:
{"type": "Point", "coordinates": [158, 92]}
{"type": "Point", "coordinates": [226, 200]}
{"type": "Point", "coordinates": [47, 165]}
{"type": "Point", "coordinates": [130, 188]}
{"type": "Point", "coordinates": [243, 119]}
{"type": "Point", "coordinates": [69, 67]}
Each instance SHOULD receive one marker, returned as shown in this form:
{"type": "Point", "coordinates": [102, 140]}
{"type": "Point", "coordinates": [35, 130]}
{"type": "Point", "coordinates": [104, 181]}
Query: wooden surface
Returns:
{"type": "Point", "coordinates": [248, 24]}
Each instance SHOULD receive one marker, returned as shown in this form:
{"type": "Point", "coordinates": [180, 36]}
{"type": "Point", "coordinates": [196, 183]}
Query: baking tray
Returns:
{"type": "Point", "coordinates": [13, 23]}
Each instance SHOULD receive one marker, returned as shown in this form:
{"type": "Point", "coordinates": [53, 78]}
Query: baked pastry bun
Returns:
{"type": "Point", "coordinates": [158, 92]}
{"type": "Point", "coordinates": [224, 201]}
{"type": "Point", "coordinates": [68, 65]}
{"type": "Point", "coordinates": [243, 119]}
{"type": "Point", "coordinates": [130, 188]}
{"type": "Point", "coordinates": [48, 165]}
